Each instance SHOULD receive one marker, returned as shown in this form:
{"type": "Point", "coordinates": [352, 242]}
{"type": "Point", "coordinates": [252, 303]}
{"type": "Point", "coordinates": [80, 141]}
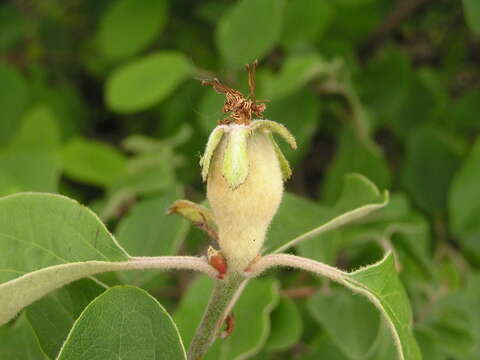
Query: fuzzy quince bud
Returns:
{"type": "Point", "coordinates": [244, 169]}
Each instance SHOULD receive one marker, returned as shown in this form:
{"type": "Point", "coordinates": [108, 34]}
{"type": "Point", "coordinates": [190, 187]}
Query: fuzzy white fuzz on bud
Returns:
{"type": "Point", "coordinates": [244, 172]}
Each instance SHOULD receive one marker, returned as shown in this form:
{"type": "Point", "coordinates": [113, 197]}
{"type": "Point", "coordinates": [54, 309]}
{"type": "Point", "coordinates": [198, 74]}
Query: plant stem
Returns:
{"type": "Point", "coordinates": [223, 298]}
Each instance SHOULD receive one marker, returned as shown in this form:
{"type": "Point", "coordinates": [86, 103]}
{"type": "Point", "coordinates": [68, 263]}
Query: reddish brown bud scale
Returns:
{"type": "Point", "coordinates": [217, 260]}
{"type": "Point", "coordinates": [229, 326]}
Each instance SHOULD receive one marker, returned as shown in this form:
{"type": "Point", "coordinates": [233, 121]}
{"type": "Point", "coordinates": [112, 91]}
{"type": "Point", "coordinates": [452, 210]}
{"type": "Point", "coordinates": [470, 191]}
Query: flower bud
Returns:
{"type": "Point", "coordinates": [244, 169]}
{"type": "Point", "coordinates": [244, 174]}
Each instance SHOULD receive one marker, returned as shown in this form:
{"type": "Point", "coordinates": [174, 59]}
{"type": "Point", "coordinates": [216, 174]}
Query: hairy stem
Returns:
{"type": "Point", "coordinates": [287, 260]}
{"type": "Point", "coordinates": [224, 296]}
{"type": "Point", "coordinates": [22, 291]}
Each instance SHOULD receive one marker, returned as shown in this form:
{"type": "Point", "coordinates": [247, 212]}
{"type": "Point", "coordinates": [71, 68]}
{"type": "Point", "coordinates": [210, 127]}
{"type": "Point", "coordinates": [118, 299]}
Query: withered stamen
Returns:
{"type": "Point", "coordinates": [239, 107]}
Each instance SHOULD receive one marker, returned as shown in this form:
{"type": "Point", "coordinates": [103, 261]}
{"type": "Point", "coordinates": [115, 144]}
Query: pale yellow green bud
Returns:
{"type": "Point", "coordinates": [244, 169]}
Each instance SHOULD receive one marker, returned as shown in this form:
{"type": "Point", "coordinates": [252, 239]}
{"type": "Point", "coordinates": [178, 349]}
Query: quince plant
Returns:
{"type": "Point", "coordinates": [245, 172]}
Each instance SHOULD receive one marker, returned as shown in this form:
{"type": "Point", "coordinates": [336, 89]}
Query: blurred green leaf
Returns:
{"type": "Point", "coordinates": [449, 325]}
{"type": "Point", "coordinates": [384, 84]}
{"type": "Point", "coordinates": [66, 103]}
{"type": "Point", "coordinates": [381, 285]}
{"type": "Point", "coordinates": [12, 26]}
{"type": "Point", "coordinates": [355, 20]}
{"type": "Point", "coordinates": [18, 342]}
{"type": "Point", "coordinates": [464, 111]}
{"type": "Point", "coordinates": [359, 198]}
{"type": "Point", "coordinates": [351, 321]}
{"type": "Point", "coordinates": [31, 161]}
{"type": "Point", "coordinates": [431, 160]}
{"type": "Point", "coordinates": [464, 202]}
{"type": "Point", "coordinates": [124, 322]}
{"type": "Point", "coordinates": [286, 327]}
{"type": "Point", "coordinates": [249, 30]}
{"type": "Point", "coordinates": [472, 15]}
{"type": "Point", "coordinates": [210, 111]}
{"type": "Point", "coordinates": [144, 82]}
{"type": "Point", "coordinates": [13, 100]}
{"type": "Point", "coordinates": [324, 348]}
{"type": "Point", "coordinates": [300, 113]}
{"type": "Point", "coordinates": [189, 312]}
{"type": "Point", "coordinates": [316, 16]}
{"type": "Point", "coordinates": [285, 227]}
{"type": "Point", "coordinates": [472, 289]}
{"type": "Point", "coordinates": [129, 26]}
{"type": "Point", "coordinates": [296, 72]}
{"type": "Point", "coordinates": [252, 322]}
{"type": "Point", "coordinates": [251, 316]}
{"type": "Point", "coordinates": [92, 162]}
{"type": "Point", "coordinates": [38, 130]}
{"type": "Point", "coordinates": [52, 317]}
{"type": "Point", "coordinates": [353, 156]}
{"type": "Point", "coordinates": [148, 231]}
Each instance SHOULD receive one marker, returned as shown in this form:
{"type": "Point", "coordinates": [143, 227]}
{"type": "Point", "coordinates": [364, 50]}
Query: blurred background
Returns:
{"type": "Point", "coordinates": [102, 101]}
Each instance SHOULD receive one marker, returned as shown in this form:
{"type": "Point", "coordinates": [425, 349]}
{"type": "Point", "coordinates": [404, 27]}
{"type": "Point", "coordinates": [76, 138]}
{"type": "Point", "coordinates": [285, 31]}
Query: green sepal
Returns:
{"type": "Point", "coordinates": [213, 141]}
{"type": "Point", "coordinates": [277, 128]}
{"type": "Point", "coordinates": [284, 164]}
{"type": "Point", "coordinates": [198, 215]}
{"type": "Point", "coordinates": [191, 211]}
{"type": "Point", "coordinates": [235, 160]}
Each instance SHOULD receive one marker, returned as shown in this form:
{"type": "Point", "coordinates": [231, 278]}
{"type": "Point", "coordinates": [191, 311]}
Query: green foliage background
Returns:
{"type": "Point", "coordinates": [100, 101]}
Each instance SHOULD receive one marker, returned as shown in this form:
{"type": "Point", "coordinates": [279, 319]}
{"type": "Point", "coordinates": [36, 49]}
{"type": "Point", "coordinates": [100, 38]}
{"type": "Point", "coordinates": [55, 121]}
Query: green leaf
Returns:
{"type": "Point", "coordinates": [18, 342]}
{"type": "Point", "coordinates": [13, 100]}
{"type": "Point", "coordinates": [146, 174]}
{"type": "Point", "coordinates": [431, 160]}
{"type": "Point", "coordinates": [193, 303]}
{"type": "Point", "coordinates": [66, 103]}
{"type": "Point", "coordinates": [147, 231]}
{"type": "Point", "coordinates": [471, 9]}
{"type": "Point", "coordinates": [464, 202]}
{"type": "Point", "coordinates": [450, 325]}
{"type": "Point", "coordinates": [296, 72]}
{"type": "Point", "coordinates": [252, 322]}
{"type": "Point", "coordinates": [52, 241]}
{"type": "Point", "coordinates": [324, 348]}
{"type": "Point", "coordinates": [31, 161]}
{"type": "Point", "coordinates": [286, 327]}
{"type": "Point", "coordinates": [359, 198]}
{"type": "Point", "coordinates": [39, 231]}
{"type": "Point", "coordinates": [144, 82]}
{"type": "Point", "coordinates": [463, 112]}
{"type": "Point", "coordinates": [93, 162]}
{"type": "Point", "coordinates": [353, 156]}
{"type": "Point", "coordinates": [380, 284]}
{"type": "Point", "coordinates": [300, 113]}
{"type": "Point", "coordinates": [129, 26]}
{"type": "Point", "coordinates": [38, 129]}
{"type": "Point", "coordinates": [13, 26]}
{"type": "Point", "coordinates": [124, 323]}
{"type": "Point", "coordinates": [351, 321]}
{"type": "Point", "coordinates": [52, 317]}
{"type": "Point", "coordinates": [316, 17]}
{"type": "Point", "coordinates": [375, 81]}
{"type": "Point", "coordinates": [249, 30]}
{"type": "Point", "coordinates": [210, 111]}
{"type": "Point", "coordinates": [251, 317]}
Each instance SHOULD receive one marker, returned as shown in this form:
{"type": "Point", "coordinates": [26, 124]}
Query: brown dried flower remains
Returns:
{"type": "Point", "coordinates": [240, 108]}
